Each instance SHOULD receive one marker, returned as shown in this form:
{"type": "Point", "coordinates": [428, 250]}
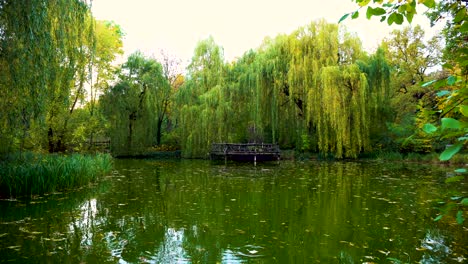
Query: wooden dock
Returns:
{"type": "Point", "coordinates": [245, 152]}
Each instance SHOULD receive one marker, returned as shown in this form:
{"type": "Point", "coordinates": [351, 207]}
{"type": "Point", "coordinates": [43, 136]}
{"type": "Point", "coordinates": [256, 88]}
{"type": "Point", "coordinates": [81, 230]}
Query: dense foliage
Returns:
{"type": "Point", "coordinates": [313, 90]}
{"type": "Point", "coordinates": [134, 104]}
{"type": "Point", "coordinates": [50, 51]}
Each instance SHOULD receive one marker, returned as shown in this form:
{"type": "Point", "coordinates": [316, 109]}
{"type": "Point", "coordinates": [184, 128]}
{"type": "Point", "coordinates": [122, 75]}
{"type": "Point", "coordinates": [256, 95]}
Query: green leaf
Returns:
{"type": "Point", "coordinates": [460, 218]}
{"type": "Point", "coordinates": [378, 11]}
{"type": "Point", "coordinates": [451, 80]}
{"type": "Point", "coordinates": [355, 15]}
{"type": "Point", "coordinates": [447, 66]}
{"type": "Point", "coordinates": [409, 16]}
{"type": "Point", "coordinates": [464, 110]}
{"type": "Point", "coordinates": [363, 2]}
{"type": "Point", "coordinates": [454, 179]}
{"type": "Point", "coordinates": [429, 128]}
{"type": "Point", "coordinates": [464, 27]}
{"type": "Point", "coordinates": [343, 18]}
{"type": "Point", "coordinates": [382, 19]}
{"type": "Point", "coordinates": [402, 9]}
{"type": "Point", "coordinates": [448, 122]}
{"type": "Point", "coordinates": [428, 83]}
{"type": "Point", "coordinates": [443, 93]}
{"type": "Point", "coordinates": [460, 170]}
{"type": "Point", "coordinates": [460, 15]}
{"type": "Point", "coordinates": [450, 151]}
{"type": "Point", "coordinates": [438, 218]}
{"type": "Point", "coordinates": [391, 19]}
{"type": "Point", "coordinates": [369, 12]}
{"type": "Point", "coordinates": [464, 202]}
{"type": "Point", "coordinates": [399, 19]}
{"type": "Point", "coordinates": [429, 3]}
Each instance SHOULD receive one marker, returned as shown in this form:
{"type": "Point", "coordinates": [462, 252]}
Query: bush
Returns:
{"type": "Point", "coordinates": [36, 174]}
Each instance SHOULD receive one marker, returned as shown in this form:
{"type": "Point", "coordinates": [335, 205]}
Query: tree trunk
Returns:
{"type": "Point", "coordinates": [131, 117]}
{"type": "Point", "coordinates": [159, 132]}
{"type": "Point", "coordinates": [50, 137]}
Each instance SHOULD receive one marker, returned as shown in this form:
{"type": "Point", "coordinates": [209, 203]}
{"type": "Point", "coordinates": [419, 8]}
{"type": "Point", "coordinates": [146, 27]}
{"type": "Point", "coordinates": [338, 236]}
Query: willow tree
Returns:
{"type": "Point", "coordinates": [314, 89]}
{"type": "Point", "coordinates": [325, 98]}
{"type": "Point", "coordinates": [132, 104]}
{"type": "Point", "coordinates": [341, 96]}
{"type": "Point", "coordinates": [204, 105]}
{"type": "Point", "coordinates": [40, 50]}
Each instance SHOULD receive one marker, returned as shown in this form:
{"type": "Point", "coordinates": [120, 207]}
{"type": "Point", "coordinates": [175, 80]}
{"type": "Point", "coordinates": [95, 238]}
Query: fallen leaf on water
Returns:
{"type": "Point", "coordinates": [14, 247]}
{"type": "Point", "coordinates": [384, 252]}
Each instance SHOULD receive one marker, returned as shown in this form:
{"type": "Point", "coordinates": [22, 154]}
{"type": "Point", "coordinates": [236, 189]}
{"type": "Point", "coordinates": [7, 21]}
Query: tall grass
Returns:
{"type": "Point", "coordinates": [32, 174]}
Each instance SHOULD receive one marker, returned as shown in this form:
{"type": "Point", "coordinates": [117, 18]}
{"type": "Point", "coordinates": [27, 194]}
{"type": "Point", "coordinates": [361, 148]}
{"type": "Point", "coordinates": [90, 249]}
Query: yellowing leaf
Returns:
{"type": "Point", "coordinates": [364, 2]}
{"type": "Point", "coordinates": [464, 110]}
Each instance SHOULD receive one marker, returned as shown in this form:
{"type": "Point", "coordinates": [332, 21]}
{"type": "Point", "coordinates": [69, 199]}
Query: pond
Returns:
{"type": "Point", "coordinates": [153, 211]}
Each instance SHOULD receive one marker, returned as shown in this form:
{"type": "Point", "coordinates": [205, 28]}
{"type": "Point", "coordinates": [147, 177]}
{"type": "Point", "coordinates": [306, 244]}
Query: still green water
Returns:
{"type": "Point", "coordinates": [200, 212]}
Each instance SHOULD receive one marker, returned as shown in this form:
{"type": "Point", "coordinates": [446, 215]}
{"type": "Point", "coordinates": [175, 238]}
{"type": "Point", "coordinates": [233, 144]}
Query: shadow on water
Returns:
{"type": "Point", "coordinates": [164, 211]}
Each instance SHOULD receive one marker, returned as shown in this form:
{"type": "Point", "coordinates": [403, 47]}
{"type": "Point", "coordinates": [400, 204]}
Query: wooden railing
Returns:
{"type": "Point", "coordinates": [247, 148]}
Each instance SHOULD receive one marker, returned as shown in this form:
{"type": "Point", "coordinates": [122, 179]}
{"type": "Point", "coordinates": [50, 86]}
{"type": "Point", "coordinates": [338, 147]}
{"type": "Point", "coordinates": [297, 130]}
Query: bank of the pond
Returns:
{"type": "Point", "coordinates": [30, 174]}
{"type": "Point", "coordinates": [460, 159]}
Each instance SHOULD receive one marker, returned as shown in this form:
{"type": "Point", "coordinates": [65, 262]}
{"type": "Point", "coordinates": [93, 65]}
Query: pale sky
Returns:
{"type": "Point", "coordinates": [237, 25]}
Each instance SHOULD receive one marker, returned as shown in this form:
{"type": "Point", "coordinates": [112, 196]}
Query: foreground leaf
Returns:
{"type": "Point", "coordinates": [460, 218]}
{"type": "Point", "coordinates": [450, 123]}
{"type": "Point", "coordinates": [438, 218]}
{"type": "Point", "coordinates": [464, 202]}
{"type": "Point", "coordinates": [450, 151]}
{"type": "Point", "coordinates": [429, 128]}
{"type": "Point", "coordinates": [343, 18]}
{"type": "Point", "coordinates": [464, 110]}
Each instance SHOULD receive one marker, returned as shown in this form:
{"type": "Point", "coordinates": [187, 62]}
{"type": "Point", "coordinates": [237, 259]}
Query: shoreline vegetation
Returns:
{"type": "Point", "coordinates": [29, 174]}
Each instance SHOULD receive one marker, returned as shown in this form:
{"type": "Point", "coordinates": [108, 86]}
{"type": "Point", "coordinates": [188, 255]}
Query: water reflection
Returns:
{"type": "Point", "coordinates": [194, 212]}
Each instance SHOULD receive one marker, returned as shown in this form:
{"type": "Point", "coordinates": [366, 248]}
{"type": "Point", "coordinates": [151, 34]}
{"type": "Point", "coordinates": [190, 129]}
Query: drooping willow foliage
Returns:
{"type": "Point", "coordinates": [204, 105]}
{"type": "Point", "coordinates": [314, 89]}
{"type": "Point", "coordinates": [44, 48]}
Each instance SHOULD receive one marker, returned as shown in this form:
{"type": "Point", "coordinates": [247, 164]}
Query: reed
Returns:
{"type": "Point", "coordinates": [30, 174]}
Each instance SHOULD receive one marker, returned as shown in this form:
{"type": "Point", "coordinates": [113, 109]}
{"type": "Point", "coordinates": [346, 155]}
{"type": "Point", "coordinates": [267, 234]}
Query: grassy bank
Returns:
{"type": "Point", "coordinates": [34, 174]}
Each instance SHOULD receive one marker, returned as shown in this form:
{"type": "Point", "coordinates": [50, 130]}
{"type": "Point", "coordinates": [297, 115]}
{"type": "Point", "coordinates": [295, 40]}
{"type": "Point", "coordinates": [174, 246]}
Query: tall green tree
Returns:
{"type": "Point", "coordinates": [203, 101]}
{"type": "Point", "coordinates": [132, 104]}
{"type": "Point", "coordinates": [314, 89]}
{"type": "Point", "coordinates": [41, 52]}
{"type": "Point", "coordinates": [410, 57]}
